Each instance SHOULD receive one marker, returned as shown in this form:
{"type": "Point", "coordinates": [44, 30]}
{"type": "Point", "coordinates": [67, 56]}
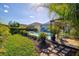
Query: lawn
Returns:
{"type": "Point", "coordinates": [16, 45]}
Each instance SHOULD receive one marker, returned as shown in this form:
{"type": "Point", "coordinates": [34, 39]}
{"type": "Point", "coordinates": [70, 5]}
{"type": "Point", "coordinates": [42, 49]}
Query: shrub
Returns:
{"type": "Point", "coordinates": [42, 41]}
{"type": "Point", "coordinates": [74, 33]}
{"type": "Point", "coordinates": [42, 36]}
{"type": "Point", "coordinates": [4, 30]}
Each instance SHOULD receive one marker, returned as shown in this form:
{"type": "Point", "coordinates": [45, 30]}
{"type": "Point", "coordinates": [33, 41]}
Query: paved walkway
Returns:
{"type": "Point", "coordinates": [58, 50]}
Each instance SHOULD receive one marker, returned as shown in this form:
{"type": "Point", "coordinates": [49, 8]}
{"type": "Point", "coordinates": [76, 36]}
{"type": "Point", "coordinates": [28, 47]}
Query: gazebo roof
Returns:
{"type": "Point", "coordinates": [56, 19]}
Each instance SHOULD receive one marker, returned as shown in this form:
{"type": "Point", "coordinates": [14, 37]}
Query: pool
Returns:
{"type": "Point", "coordinates": [37, 34]}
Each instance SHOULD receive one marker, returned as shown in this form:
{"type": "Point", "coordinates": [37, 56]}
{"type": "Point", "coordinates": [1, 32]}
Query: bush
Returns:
{"type": "Point", "coordinates": [42, 41]}
{"type": "Point", "coordinates": [23, 32]}
{"type": "Point", "coordinates": [42, 36]}
{"type": "Point", "coordinates": [4, 30]}
{"type": "Point", "coordinates": [14, 31]}
{"type": "Point", "coordinates": [18, 45]}
{"type": "Point", "coordinates": [74, 33]}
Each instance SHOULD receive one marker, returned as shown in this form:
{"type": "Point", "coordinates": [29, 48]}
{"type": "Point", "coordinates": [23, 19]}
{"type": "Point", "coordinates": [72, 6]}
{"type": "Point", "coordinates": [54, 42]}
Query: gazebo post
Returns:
{"type": "Point", "coordinates": [52, 36]}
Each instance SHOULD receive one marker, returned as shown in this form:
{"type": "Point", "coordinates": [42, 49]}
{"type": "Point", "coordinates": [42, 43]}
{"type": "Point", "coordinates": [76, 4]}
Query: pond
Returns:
{"type": "Point", "coordinates": [37, 34]}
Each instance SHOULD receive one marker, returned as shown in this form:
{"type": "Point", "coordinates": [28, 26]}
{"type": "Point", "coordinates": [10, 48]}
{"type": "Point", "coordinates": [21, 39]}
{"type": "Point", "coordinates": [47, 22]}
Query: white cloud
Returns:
{"type": "Point", "coordinates": [6, 11]}
{"type": "Point", "coordinates": [36, 4]}
{"type": "Point", "coordinates": [40, 9]}
{"type": "Point", "coordinates": [39, 6]}
{"type": "Point", "coordinates": [6, 6]}
{"type": "Point", "coordinates": [31, 16]}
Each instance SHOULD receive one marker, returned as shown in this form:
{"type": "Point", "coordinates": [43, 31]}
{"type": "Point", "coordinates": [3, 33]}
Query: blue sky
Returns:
{"type": "Point", "coordinates": [24, 13]}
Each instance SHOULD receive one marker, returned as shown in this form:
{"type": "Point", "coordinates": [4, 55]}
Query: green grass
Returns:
{"type": "Point", "coordinates": [16, 45]}
{"type": "Point", "coordinates": [4, 30]}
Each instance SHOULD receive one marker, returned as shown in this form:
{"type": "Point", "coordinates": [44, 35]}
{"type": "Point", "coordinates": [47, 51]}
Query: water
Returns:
{"type": "Point", "coordinates": [34, 33]}
{"type": "Point", "coordinates": [37, 34]}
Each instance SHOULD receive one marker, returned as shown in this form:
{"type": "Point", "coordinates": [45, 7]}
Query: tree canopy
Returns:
{"type": "Point", "coordinates": [68, 11]}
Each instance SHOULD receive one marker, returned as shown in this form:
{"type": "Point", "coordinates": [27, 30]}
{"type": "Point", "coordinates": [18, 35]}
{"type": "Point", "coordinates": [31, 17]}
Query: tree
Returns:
{"type": "Point", "coordinates": [14, 27]}
{"type": "Point", "coordinates": [14, 24]}
{"type": "Point", "coordinates": [68, 12]}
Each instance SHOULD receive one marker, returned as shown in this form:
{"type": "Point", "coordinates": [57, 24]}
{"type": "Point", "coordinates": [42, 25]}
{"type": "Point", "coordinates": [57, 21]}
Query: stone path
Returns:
{"type": "Point", "coordinates": [50, 51]}
{"type": "Point", "coordinates": [57, 50]}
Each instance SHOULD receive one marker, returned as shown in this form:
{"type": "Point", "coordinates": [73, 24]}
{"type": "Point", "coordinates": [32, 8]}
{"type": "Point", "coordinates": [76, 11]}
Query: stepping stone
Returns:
{"type": "Point", "coordinates": [49, 48]}
{"type": "Point", "coordinates": [65, 52]}
{"type": "Point", "coordinates": [58, 49]}
{"type": "Point", "coordinates": [45, 50]}
{"type": "Point", "coordinates": [61, 47]}
{"type": "Point", "coordinates": [52, 46]}
{"type": "Point", "coordinates": [43, 54]}
{"type": "Point", "coordinates": [55, 51]}
{"type": "Point", "coordinates": [61, 54]}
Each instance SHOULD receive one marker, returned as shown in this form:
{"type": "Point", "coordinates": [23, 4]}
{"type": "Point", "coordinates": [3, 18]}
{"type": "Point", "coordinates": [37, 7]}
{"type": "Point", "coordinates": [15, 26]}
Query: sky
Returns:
{"type": "Point", "coordinates": [24, 13]}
